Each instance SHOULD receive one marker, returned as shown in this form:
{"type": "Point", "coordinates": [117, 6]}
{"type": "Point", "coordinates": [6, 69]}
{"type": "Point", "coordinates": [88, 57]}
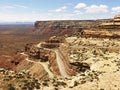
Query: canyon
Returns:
{"type": "Point", "coordinates": [64, 55]}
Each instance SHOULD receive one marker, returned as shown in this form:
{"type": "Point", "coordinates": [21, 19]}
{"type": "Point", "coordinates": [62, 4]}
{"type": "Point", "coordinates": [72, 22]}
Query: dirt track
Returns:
{"type": "Point", "coordinates": [61, 66]}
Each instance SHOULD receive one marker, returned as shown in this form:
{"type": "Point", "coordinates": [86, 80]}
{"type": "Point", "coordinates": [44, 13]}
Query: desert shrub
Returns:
{"type": "Point", "coordinates": [37, 87]}
{"type": "Point", "coordinates": [61, 83]}
{"type": "Point", "coordinates": [45, 84]}
{"type": "Point", "coordinates": [11, 87]}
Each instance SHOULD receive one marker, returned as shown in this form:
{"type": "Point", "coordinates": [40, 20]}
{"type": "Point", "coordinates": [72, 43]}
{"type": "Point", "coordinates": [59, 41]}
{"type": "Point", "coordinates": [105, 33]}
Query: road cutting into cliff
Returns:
{"type": "Point", "coordinates": [59, 60]}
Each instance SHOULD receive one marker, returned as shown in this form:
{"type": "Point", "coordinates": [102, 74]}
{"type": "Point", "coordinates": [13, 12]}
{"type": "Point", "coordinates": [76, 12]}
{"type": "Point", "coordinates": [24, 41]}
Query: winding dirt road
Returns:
{"type": "Point", "coordinates": [59, 59]}
{"type": "Point", "coordinates": [45, 66]}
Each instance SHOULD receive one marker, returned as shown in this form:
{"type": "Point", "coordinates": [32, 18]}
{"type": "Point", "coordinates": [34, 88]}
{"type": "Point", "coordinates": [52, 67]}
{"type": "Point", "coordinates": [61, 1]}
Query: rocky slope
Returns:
{"type": "Point", "coordinates": [95, 62]}
{"type": "Point", "coordinates": [10, 80]}
{"type": "Point", "coordinates": [89, 59]}
{"type": "Point", "coordinates": [20, 62]}
{"type": "Point", "coordinates": [102, 57]}
{"type": "Point", "coordinates": [9, 62]}
{"type": "Point", "coordinates": [86, 28]}
{"type": "Point", "coordinates": [50, 28]}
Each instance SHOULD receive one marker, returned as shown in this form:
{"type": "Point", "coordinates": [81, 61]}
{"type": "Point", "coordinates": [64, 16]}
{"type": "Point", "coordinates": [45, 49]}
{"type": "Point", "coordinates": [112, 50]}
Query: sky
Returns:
{"type": "Point", "coordinates": [40, 10]}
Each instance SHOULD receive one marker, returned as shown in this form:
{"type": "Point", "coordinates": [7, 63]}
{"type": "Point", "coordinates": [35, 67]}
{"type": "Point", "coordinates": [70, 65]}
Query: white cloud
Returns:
{"type": "Point", "coordinates": [97, 9]}
{"type": "Point", "coordinates": [22, 17]}
{"type": "Point", "coordinates": [61, 9]}
{"type": "Point", "coordinates": [36, 17]}
{"type": "Point", "coordinates": [21, 6]}
{"type": "Point", "coordinates": [116, 10]}
{"type": "Point", "coordinates": [6, 7]}
{"type": "Point", "coordinates": [84, 12]}
{"type": "Point", "coordinates": [80, 6]}
{"type": "Point", "coordinates": [12, 7]}
{"type": "Point", "coordinates": [77, 12]}
{"type": "Point", "coordinates": [49, 16]}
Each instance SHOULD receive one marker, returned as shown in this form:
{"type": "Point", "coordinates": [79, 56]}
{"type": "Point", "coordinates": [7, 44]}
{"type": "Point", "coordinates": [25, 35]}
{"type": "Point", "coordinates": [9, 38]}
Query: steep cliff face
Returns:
{"type": "Point", "coordinates": [50, 28]}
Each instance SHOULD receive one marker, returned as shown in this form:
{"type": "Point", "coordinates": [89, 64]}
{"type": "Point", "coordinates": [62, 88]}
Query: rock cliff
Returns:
{"type": "Point", "coordinates": [50, 28]}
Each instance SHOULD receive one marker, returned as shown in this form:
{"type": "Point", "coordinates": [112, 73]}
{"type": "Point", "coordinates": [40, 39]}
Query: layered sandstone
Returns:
{"type": "Point", "coordinates": [51, 28]}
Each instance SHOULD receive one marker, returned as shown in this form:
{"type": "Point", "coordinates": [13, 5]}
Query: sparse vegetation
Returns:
{"type": "Point", "coordinates": [90, 57]}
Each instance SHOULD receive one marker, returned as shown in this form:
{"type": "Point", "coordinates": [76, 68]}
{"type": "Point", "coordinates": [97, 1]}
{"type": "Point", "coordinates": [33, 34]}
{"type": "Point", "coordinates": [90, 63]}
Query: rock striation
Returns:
{"type": "Point", "coordinates": [112, 24]}
{"type": "Point", "coordinates": [51, 28]}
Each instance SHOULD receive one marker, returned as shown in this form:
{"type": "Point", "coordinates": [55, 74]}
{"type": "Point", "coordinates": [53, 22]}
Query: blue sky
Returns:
{"type": "Point", "coordinates": [32, 10]}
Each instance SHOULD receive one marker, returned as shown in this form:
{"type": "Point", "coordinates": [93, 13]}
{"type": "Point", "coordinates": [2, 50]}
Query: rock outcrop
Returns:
{"type": "Point", "coordinates": [43, 55]}
{"type": "Point", "coordinates": [51, 28]}
{"type": "Point", "coordinates": [10, 62]}
{"type": "Point", "coordinates": [87, 63]}
{"type": "Point", "coordinates": [113, 24]}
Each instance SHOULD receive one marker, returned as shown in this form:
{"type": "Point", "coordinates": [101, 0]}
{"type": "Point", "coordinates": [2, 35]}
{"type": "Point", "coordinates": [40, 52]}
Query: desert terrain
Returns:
{"type": "Point", "coordinates": [60, 55]}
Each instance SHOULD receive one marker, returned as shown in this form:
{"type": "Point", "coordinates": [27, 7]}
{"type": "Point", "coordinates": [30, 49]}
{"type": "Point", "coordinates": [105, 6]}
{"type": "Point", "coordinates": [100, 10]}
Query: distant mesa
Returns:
{"type": "Point", "coordinates": [117, 19]}
{"type": "Point", "coordinates": [114, 22]}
